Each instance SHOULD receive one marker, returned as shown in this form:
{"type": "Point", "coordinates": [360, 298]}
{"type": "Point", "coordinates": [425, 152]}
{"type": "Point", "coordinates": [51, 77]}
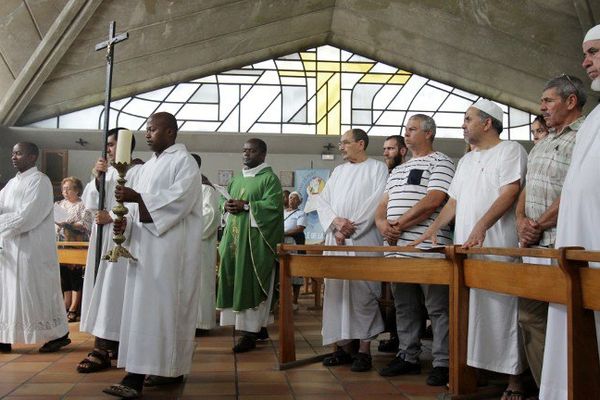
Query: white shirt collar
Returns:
{"type": "Point", "coordinates": [251, 172]}
{"type": "Point", "coordinates": [30, 171]}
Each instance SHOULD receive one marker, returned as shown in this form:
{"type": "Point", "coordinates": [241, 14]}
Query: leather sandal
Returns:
{"type": "Point", "coordinates": [97, 360]}
{"type": "Point", "coordinates": [72, 316]}
{"type": "Point", "coordinates": [122, 391]}
{"type": "Point", "coordinates": [361, 362]}
{"type": "Point", "coordinates": [338, 357]}
{"type": "Point", "coordinates": [513, 395]}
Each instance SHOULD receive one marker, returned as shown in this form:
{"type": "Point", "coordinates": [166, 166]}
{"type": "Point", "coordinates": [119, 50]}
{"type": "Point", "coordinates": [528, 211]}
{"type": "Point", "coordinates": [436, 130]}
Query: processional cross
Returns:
{"type": "Point", "coordinates": [109, 46]}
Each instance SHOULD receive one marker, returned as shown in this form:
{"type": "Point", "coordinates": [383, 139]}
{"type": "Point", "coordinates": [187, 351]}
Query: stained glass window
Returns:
{"type": "Point", "coordinates": [322, 91]}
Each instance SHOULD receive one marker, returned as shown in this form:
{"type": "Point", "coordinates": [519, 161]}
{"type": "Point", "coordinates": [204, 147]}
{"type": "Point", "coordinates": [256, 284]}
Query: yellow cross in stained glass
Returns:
{"type": "Point", "coordinates": [328, 75]}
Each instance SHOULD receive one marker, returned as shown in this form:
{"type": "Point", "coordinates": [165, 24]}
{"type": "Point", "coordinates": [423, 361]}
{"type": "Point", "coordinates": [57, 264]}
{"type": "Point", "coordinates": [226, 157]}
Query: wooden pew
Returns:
{"type": "Point", "coordinates": [426, 270]}
{"type": "Point", "coordinates": [572, 284]}
{"type": "Point", "coordinates": [72, 252]}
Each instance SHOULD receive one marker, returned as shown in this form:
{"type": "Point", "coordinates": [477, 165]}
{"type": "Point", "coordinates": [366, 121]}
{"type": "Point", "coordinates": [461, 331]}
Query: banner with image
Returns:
{"type": "Point", "coordinates": [311, 182]}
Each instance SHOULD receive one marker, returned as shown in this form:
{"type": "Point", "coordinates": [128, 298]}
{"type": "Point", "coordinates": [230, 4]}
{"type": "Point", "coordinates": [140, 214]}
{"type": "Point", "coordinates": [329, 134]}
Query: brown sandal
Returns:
{"type": "Point", "coordinates": [72, 316]}
{"type": "Point", "coordinates": [97, 360]}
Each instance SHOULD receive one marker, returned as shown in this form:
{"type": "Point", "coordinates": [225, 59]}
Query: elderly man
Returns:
{"type": "Point", "coordinates": [346, 212]}
{"type": "Point", "coordinates": [160, 307]}
{"type": "Point", "coordinates": [248, 248]}
{"type": "Point", "coordinates": [413, 197]}
{"type": "Point", "coordinates": [482, 196]}
{"type": "Point", "coordinates": [537, 209]}
{"type": "Point", "coordinates": [31, 305]}
{"type": "Point", "coordinates": [578, 220]}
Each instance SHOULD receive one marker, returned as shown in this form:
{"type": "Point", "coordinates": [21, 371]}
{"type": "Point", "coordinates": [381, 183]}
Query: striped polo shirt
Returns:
{"type": "Point", "coordinates": [409, 183]}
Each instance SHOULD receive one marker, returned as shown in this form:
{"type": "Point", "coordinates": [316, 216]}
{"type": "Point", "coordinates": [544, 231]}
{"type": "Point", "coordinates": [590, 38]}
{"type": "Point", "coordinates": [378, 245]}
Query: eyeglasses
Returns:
{"type": "Point", "coordinates": [563, 75]}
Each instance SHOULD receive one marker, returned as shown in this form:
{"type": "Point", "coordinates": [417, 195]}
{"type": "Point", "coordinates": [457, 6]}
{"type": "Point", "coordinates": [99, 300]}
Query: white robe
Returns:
{"type": "Point", "coordinates": [494, 341]}
{"type": "Point", "coordinates": [31, 304]}
{"type": "Point", "coordinates": [350, 308]}
{"type": "Point", "coordinates": [578, 222]}
{"type": "Point", "coordinates": [102, 301]}
{"type": "Point", "coordinates": [160, 307]}
{"type": "Point", "coordinates": [211, 218]}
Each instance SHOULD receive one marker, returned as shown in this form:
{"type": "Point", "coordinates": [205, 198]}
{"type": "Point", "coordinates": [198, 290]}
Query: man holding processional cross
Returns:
{"type": "Point", "coordinates": [161, 292]}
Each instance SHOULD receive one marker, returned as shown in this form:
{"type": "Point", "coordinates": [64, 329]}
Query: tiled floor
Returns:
{"type": "Point", "coordinates": [216, 372]}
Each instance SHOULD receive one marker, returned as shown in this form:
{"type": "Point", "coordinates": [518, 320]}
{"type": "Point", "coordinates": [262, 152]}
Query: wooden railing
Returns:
{"type": "Point", "coordinates": [570, 283]}
{"type": "Point", "coordinates": [72, 252]}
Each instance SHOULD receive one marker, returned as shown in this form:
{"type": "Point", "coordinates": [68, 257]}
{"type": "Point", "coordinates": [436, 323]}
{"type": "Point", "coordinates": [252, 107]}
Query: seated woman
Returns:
{"type": "Point", "coordinates": [294, 223]}
{"type": "Point", "coordinates": [75, 228]}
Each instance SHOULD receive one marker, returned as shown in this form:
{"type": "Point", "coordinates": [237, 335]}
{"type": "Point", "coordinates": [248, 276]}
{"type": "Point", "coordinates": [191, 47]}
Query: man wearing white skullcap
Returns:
{"type": "Point", "coordinates": [482, 195]}
{"type": "Point", "coordinates": [578, 222]}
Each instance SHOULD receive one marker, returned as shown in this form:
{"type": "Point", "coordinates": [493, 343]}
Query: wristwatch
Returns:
{"type": "Point", "coordinates": [246, 207]}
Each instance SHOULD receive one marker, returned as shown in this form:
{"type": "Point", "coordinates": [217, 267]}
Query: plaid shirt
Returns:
{"type": "Point", "coordinates": [547, 167]}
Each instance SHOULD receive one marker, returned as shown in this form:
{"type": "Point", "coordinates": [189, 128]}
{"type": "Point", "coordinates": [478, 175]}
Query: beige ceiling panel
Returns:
{"type": "Point", "coordinates": [45, 12]}
{"type": "Point", "coordinates": [180, 64]}
{"type": "Point", "coordinates": [560, 6]}
{"type": "Point", "coordinates": [6, 78]}
{"type": "Point", "coordinates": [506, 71]}
{"type": "Point", "coordinates": [492, 30]}
{"type": "Point", "coordinates": [189, 28]}
{"type": "Point", "coordinates": [132, 14]}
{"type": "Point", "coordinates": [18, 35]}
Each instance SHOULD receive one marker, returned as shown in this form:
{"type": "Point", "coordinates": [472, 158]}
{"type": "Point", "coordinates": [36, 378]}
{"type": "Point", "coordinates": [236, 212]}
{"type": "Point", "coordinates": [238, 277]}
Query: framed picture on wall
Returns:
{"type": "Point", "coordinates": [286, 178]}
{"type": "Point", "coordinates": [224, 176]}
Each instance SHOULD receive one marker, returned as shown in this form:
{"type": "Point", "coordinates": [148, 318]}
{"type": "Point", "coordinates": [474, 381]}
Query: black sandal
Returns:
{"type": "Point", "coordinates": [72, 316]}
{"type": "Point", "coordinates": [361, 362]}
{"type": "Point", "coordinates": [97, 360]}
{"type": "Point", "coordinates": [338, 357]}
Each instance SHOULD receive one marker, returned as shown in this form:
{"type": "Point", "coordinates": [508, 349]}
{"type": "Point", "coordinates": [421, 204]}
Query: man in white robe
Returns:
{"type": "Point", "coordinates": [211, 217]}
{"type": "Point", "coordinates": [102, 302]}
{"type": "Point", "coordinates": [482, 200]}
{"type": "Point", "coordinates": [160, 307]}
{"type": "Point", "coordinates": [31, 304]}
{"type": "Point", "coordinates": [347, 214]}
{"type": "Point", "coordinates": [578, 221]}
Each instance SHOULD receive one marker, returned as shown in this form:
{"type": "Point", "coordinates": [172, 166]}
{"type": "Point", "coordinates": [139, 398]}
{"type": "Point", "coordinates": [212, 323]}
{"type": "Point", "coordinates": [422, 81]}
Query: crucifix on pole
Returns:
{"type": "Point", "coordinates": [109, 46]}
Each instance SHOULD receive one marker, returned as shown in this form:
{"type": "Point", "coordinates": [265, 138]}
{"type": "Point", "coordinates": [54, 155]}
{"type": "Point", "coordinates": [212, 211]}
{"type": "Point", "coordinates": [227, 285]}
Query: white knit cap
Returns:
{"type": "Point", "coordinates": [295, 193]}
{"type": "Point", "coordinates": [592, 34]}
{"type": "Point", "coordinates": [490, 108]}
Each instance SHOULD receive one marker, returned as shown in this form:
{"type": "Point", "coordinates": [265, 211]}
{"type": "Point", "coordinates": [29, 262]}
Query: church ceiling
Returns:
{"type": "Point", "coordinates": [502, 49]}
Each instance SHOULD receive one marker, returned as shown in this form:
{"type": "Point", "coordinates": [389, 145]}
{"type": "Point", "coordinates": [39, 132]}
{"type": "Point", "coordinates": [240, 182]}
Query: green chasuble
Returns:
{"type": "Point", "coordinates": [248, 253]}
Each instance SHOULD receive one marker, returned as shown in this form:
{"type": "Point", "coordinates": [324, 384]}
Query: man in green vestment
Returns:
{"type": "Point", "coordinates": [248, 248]}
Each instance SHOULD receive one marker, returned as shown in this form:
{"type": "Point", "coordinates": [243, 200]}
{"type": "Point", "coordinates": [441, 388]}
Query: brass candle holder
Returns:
{"type": "Point", "coordinates": [120, 211]}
